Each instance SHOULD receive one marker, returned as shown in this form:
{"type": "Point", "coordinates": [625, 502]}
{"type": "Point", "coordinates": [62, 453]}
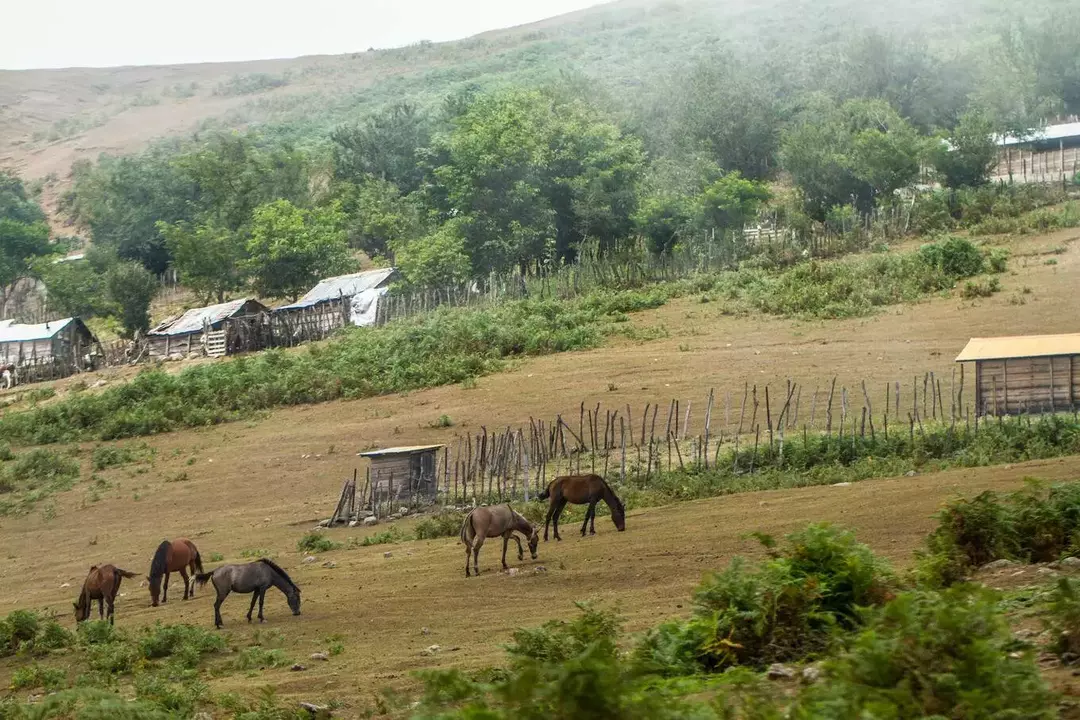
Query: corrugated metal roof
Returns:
{"type": "Point", "coordinates": [194, 319]}
{"type": "Point", "coordinates": [25, 333]}
{"type": "Point", "coordinates": [405, 450]}
{"type": "Point", "coordinates": [1020, 346]}
{"type": "Point", "coordinates": [341, 286]}
{"type": "Point", "coordinates": [1061, 131]}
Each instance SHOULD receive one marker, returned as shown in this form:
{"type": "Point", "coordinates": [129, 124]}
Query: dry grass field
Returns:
{"type": "Point", "coordinates": [255, 487]}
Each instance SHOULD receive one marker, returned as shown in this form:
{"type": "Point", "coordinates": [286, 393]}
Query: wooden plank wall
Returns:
{"type": "Point", "coordinates": [1028, 385]}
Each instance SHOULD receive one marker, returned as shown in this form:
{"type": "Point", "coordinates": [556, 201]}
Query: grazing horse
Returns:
{"type": "Point", "coordinates": [179, 555]}
{"type": "Point", "coordinates": [489, 522]}
{"type": "Point", "coordinates": [254, 577]}
{"type": "Point", "coordinates": [101, 584]}
{"type": "Point", "coordinates": [581, 490]}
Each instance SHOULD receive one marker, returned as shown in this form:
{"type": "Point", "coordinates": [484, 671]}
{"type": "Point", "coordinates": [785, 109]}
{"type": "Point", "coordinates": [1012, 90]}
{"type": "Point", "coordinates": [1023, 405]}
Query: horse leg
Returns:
{"type": "Point", "coordinates": [477, 544]}
{"type": "Point", "coordinates": [101, 608]}
{"type": "Point", "coordinates": [468, 552]}
{"type": "Point", "coordinates": [506, 541]}
{"type": "Point", "coordinates": [112, 602]}
{"type": "Point", "coordinates": [588, 512]}
{"type": "Point", "coordinates": [592, 518]}
{"type": "Point", "coordinates": [555, 518]}
{"type": "Point", "coordinates": [254, 599]}
{"type": "Point", "coordinates": [547, 520]}
{"type": "Point", "coordinates": [262, 597]}
{"type": "Point", "coordinates": [184, 575]}
{"type": "Point", "coordinates": [521, 551]}
{"type": "Point", "coordinates": [217, 608]}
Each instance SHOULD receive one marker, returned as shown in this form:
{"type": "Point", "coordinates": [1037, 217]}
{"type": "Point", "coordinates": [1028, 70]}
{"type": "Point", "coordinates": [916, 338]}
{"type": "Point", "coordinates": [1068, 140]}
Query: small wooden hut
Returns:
{"type": "Point", "coordinates": [49, 350]}
{"type": "Point", "coordinates": [1025, 373]}
{"type": "Point", "coordinates": [202, 331]}
{"type": "Point", "coordinates": [332, 304]}
{"type": "Point", "coordinates": [403, 472]}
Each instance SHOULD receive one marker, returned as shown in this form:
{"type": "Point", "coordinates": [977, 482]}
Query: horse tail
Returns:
{"type": "Point", "coordinates": [465, 525]}
{"type": "Point", "coordinates": [546, 492]}
{"type": "Point", "coordinates": [197, 560]}
{"type": "Point", "coordinates": [124, 573]}
{"type": "Point", "coordinates": [203, 578]}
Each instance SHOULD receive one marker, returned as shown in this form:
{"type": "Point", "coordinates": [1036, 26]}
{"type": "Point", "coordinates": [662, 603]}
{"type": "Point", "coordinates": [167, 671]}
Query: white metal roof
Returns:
{"type": "Point", "coordinates": [11, 332]}
{"type": "Point", "coordinates": [194, 319]}
{"type": "Point", "coordinates": [342, 286]}
{"type": "Point", "coordinates": [1061, 131]}
{"type": "Point", "coordinates": [1020, 346]}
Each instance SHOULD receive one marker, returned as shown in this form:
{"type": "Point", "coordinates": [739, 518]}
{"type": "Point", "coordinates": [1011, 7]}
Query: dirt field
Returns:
{"type": "Point", "coordinates": [248, 487]}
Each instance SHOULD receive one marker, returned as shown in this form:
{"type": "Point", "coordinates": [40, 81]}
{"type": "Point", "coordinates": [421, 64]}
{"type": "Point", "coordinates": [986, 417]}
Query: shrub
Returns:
{"type": "Point", "coordinates": [316, 542]}
{"type": "Point", "coordinates": [386, 537]}
{"type": "Point", "coordinates": [97, 632]}
{"type": "Point", "coordinates": [260, 658]}
{"type": "Point", "coordinates": [998, 260]}
{"type": "Point", "coordinates": [32, 676]}
{"type": "Point", "coordinates": [983, 288]}
{"type": "Point", "coordinates": [956, 257]}
{"type": "Point", "coordinates": [784, 610]}
{"type": "Point", "coordinates": [928, 654]}
{"type": "Point", "coordinates": [1063, 619]}
{"type": "Point", "coordinates": [443, 524]}
{"type": "Point", "coordinates": [186, 643]}
{"type": "Point", "coordinates": [107, 456]}
{"type": "Point", "coordinates": [181, 698]}
{"type": "Point", "coordinates": [18, 628]}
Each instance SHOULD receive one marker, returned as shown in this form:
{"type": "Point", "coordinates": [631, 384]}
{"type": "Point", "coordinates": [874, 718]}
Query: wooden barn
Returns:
{"type": "Point", "coordinates": [49, 350]}
{"type": "Point", "coordinates": [403, 472]}
{"type": "Point", "coordinates": [205, 330]}
{"type": "Point", "coordinates": [332, 304]}
{"type": "Point", "coordinates": [1025, 374]}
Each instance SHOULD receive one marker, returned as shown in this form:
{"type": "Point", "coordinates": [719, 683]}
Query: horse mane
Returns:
{"type": "Point", "coordinates": [276, 568]}
{"type": "Point", "coordinates": [609, 491]}
{"type": "Point", "coordinates": [158, 566]}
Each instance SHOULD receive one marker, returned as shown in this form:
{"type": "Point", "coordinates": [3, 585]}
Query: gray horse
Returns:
{"type": "Point", "coordinates": [490, 522]}
{"type": "Point", "coordinates": [254, 577]}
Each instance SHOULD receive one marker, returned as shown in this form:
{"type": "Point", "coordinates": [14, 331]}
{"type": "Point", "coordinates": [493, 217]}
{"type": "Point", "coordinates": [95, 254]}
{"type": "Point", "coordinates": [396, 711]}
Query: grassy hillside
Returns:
{"type": "Point", "coordinates": [53, 117]}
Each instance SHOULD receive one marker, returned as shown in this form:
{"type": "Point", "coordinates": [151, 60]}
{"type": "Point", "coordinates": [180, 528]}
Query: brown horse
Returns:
{"type": "Point", "coordinates": [490, 522]}
{"type": "Point", "coordinates": [581, 490]}
{"type": "Point", "coordinates": [101, 584]}
{"type": "Point", "coordinates": [179, 555]}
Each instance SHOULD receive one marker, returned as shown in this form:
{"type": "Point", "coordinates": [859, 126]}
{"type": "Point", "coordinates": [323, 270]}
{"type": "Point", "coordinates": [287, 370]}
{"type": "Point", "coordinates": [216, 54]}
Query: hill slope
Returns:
{"type": "Point", "coordinates": [50, 118]}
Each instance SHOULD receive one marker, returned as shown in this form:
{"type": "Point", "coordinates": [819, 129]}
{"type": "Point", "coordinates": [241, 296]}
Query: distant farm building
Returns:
{"type": "Point", "coordinates": [402, 473]}
{"type": "Point", "coordinates": [1027, 373]}
{"type": "Point", "coordinates": [214, 330]}
{"type": "Point", "coordinates": [50, 350]}
{"type": "Point", "coordinates": [334, 303]}
{"type": "Point", "coordinates": [1048, 155]}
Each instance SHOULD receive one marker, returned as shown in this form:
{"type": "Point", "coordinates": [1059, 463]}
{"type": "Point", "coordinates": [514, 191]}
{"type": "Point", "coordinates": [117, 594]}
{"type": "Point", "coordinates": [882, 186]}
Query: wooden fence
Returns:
{"type": "Point", "coordinates": [634, 445]}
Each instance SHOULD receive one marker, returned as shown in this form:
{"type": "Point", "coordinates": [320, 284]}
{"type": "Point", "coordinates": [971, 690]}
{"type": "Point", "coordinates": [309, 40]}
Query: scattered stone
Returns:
{"type": "Point", "coordinates": [1069, 658]}
{"type": "Point", "coordinates": [325, 523]}
{"type": "Point", "coordinates": [778, 671]}
{"type": "Point", "coordinates": [320, 656]}
{"type": "Point", "coordinates": [403, 511]}
{"type": "Point", "coordinates": [425, 631]}
{"type": "Point", "coordinates": [203, 716]}
{"type": "Point", "coordinates": [354, 523]}
{"type": "Point", "coordinates": [1046, 571]}
{"type": "Point", "coordinates": [539, 569]}
{"type": "Point", "coordinates": [511, 571]}
{"type": "Point", "coordinates": [310, 559]}
{"type": "Point", "coordinates": [329, 564]}
{"type": "Point", "coordinates": [298, 668]}
{"type": "Point", "coordinates": [430, 650]}
{"type": "Point", "coordinates": [371, 520]}
{"type": "Point", "coordinates": [841, 484]}
{"type": "Point", "coordinates": [1071, 563]}
{"type": "Point", "coordinates": [316, 711]}
{"type": "Point", "coordinates": [1018, 573]}
{"type": "Point", "coordinates": [100, 383]}
{"type": "Point", "coordinates": [66, 585]}
{"type": "Point", "coordinates": [811, 674]}
{"type": "Point", "coordinates": [1016, 655]}
{"type": "Point", "coordinates": [998, 565]}
{"type": "Point", "coordinates": [388, 554]}
{"type": "Point", "coordinates": [1024, 634]}
{"type": "Point", "coordinates": [910, 473]}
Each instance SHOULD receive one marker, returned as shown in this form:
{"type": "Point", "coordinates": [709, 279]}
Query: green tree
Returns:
{"type": "Point", "coordinates": [437, 260]}
{"type": "Point", "coordinates": [385, 145]}
{"type": "Point", "coordinates": [78, 287]}
{"type": "Point", "coordinates": [531, 174]}
{"type": "Point", "coordinates": [292, 248]}
{"type": "Point", "coordinates": [970, 154]}
{"type": "Point", "coordinates": [854, 154]}
{"type": "Point", "coordinates": [131, 288]}
{"type": "Point", "coordinates": [379, 218]}
{"type": "Point", "coordinates": [662, 219]}
{"type": "Point", "coordinates": [207, 257]}
{"type": "Point", "coordinates": [730, 202]}
{"type": "Point", "coordinates": [24, 235]}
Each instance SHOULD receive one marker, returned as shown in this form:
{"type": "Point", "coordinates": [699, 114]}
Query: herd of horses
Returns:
{"type": "Point", "coordinates": [103, 582]}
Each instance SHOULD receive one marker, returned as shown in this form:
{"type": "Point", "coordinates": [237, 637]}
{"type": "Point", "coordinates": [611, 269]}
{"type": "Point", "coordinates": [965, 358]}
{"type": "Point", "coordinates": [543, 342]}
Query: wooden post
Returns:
{"type": "Point", "coordinates": [828, 408]}
{"type": "Point", "coordinates": [742, 408]}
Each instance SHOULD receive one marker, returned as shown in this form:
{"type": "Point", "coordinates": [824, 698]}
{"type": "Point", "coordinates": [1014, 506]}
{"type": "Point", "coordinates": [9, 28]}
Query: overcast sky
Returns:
{"type": "Point", "coordinates": [103, 33]}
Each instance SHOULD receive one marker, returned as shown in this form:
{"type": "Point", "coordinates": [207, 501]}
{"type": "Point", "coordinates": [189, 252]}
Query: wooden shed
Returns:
{"type": "Point", "coordinates": [334, 303]}
{"type": "Point", "coordinates": [1025, 373]}
{"type": "Point", "coordinates": [403, 472]}
{"type": "Point", "coordinates": [202, 331]}
{"type": "Point", "coordinates": [49, 350]}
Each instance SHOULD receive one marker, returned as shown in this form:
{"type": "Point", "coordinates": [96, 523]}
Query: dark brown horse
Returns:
{"type": "Point", "coordinates": [581, 490]}
{"type": "Point", "coordinates": [179, 555]}
{"type": "Point", "coordinates": [101, 584]}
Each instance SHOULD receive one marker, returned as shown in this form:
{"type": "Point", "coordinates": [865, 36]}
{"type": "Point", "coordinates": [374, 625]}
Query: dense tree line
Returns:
{"type": "Point", "coordinates": [513, 177]}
